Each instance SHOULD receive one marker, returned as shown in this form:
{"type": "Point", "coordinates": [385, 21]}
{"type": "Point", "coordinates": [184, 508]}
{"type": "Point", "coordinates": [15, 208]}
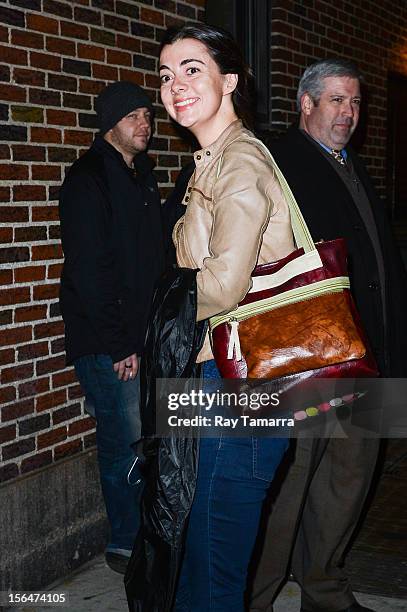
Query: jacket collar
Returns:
{"type": "Point", "coordinates": [142, 163]}
{"type": "Point", "coordinates": [205, 156]}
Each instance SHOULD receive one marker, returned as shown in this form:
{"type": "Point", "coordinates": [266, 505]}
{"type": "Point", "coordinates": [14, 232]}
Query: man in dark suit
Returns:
{"type": "Point", "coordinates": [321, 499]}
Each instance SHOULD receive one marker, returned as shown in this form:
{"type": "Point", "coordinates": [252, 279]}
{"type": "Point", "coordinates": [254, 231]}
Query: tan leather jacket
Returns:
{"type": "Point", "coordinates": [236, 217]}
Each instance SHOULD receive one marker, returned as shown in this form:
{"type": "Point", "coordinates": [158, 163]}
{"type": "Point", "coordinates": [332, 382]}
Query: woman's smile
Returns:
{"type": "Point", "coordinates": [185, 104]}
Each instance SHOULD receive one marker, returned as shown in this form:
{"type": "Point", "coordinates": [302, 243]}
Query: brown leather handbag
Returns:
{"type": "Point", "coordinates": [299, 318]}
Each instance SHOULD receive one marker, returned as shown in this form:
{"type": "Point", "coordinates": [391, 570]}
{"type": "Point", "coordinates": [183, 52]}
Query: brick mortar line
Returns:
{"type": "Point", "coordinates": [55, 319]}
{"type": "Point", "coordinates": [30, 143]}
{"type": "Point", "coordinates": [11, 265]}
{"type": "Point", "coordinates": [22, 224]}
{"type": "Point", "coordinates": [19, 324]}
{"type": "Point", "coordinates": [28, 182]}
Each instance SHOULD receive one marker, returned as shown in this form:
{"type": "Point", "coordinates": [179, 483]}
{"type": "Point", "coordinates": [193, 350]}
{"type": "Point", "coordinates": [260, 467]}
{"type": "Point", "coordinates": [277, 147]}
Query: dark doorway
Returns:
{"type": "Point", "coordinates": [250, 23]}
{"type": "Point", "coordinates": [397, 155]}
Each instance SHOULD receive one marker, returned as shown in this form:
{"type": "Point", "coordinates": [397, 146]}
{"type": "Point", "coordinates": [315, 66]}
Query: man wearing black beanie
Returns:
{"type": "Point", "coordinates": [113, 246]}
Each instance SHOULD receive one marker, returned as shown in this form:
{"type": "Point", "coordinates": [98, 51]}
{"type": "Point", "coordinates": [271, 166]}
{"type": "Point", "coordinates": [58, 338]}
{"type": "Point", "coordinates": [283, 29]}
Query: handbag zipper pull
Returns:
{"type": "Point", "coordinates": [234, 340]}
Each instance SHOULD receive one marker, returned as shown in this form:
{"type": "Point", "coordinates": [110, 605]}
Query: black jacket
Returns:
{"type": "Point", "coordinates": [173, 342]}
{"type": "Point", "coordinates": [113, 246]}
{"type": "Point", "coordinates": [330, 213]}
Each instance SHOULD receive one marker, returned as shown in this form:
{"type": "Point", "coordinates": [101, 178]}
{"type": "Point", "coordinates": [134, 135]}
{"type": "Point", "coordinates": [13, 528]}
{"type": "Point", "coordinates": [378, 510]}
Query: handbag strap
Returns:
{"type": "Point", "coordinates": [300, 229]}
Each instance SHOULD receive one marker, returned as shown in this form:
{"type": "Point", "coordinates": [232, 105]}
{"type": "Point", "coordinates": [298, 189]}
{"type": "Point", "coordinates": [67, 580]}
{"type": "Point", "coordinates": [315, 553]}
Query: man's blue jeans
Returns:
{"type": "Point", "coordinates": [234, 475]}
{"type": "Point", "coordinates": [116, 409]}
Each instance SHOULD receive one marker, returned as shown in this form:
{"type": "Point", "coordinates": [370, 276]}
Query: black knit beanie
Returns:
{"type": "Point", "coordinates": [118, 100]}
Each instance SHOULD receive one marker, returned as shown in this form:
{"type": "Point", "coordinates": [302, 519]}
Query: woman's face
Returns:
{"type": "Point", "coordinates": [193, 90]}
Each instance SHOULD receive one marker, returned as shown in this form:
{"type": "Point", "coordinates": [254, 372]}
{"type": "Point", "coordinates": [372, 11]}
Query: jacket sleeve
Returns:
{"type": "Point", "coordinates": [241, 211]}
{"type": "Point", "coordinates": [89, 268]}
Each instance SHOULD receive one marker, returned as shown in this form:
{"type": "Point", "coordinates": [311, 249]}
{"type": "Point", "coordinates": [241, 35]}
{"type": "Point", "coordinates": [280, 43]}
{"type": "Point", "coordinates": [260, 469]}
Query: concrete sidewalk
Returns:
{"type": "Point", "coordinates": [95, 588]}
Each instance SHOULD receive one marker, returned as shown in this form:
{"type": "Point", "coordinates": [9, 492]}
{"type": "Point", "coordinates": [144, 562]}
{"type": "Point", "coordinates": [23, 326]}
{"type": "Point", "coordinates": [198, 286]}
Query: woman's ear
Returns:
{"type": "Point", "coordinates": [230, 83]}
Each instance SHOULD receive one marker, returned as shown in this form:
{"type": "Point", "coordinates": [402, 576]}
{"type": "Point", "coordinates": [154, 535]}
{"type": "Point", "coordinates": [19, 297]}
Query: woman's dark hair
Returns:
{"type": "Point", "coordinates": [224, 51]}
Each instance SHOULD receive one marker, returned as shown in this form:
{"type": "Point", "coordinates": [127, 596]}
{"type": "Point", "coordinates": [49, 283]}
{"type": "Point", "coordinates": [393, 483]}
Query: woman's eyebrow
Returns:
{"type": "Point", "coordinates": [185, 61]}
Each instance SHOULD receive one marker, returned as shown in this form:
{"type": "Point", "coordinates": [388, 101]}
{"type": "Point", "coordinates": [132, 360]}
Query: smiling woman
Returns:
{"type": "Point", "coordinates": [235, 217]}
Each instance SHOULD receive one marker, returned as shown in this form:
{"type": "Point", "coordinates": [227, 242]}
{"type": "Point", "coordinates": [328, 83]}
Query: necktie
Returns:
{"type": "Point", "coordinates": [338, 156]}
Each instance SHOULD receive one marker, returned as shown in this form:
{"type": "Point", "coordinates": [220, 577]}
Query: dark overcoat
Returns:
{"type": "Point", "coordinates": [330, 212]}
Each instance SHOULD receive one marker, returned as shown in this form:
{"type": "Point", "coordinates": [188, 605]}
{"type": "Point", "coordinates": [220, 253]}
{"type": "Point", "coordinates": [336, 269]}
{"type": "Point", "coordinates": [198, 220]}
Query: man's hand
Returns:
{"type": "Point", "coordinates": [126, 368]}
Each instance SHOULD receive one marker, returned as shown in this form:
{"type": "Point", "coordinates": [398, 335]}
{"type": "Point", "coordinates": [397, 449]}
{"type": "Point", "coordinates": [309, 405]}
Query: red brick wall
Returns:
{"type": "Point", "coordinates": [55, 55]}
{"type": "Point", "coordinates": [373, 33]}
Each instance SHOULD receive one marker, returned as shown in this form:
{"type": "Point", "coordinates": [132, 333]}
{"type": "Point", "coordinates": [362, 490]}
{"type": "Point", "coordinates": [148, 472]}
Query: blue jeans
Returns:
{"type": "Point", "coordinates": [234, 475]}
{"type": "Point", "coordinates": [116, 409]}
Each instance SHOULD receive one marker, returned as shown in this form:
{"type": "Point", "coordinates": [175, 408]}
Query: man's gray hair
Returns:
{"type": "Point", "coordinates": [312, 81]}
